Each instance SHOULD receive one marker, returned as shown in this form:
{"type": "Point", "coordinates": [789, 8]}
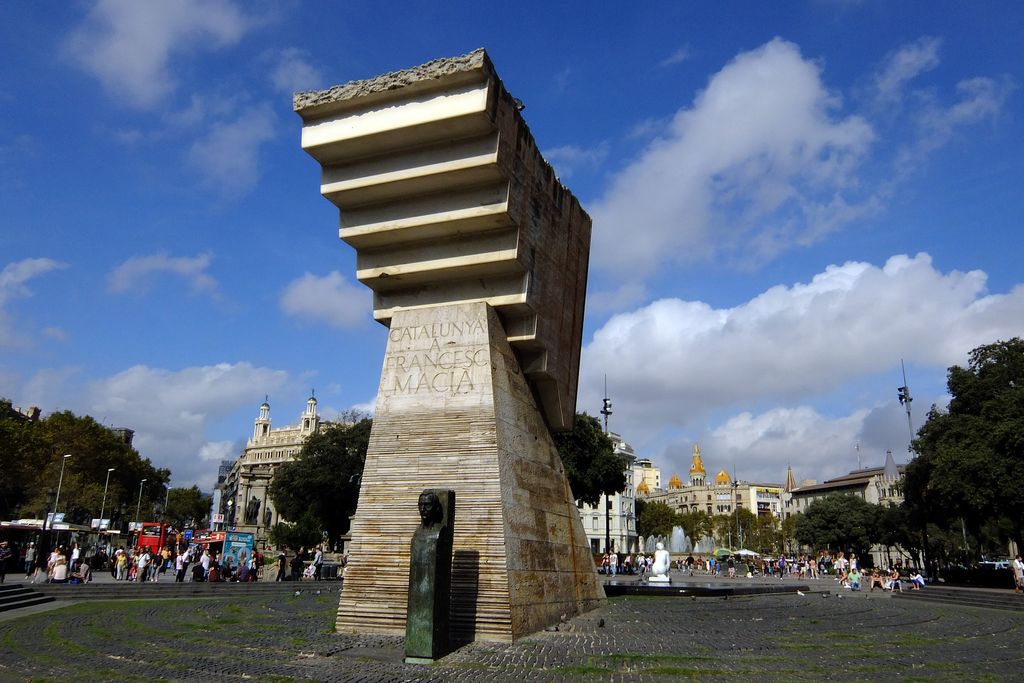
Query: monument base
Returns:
{"type": "Point", "coordinates": [658, 579]}
{"type": "Point", "coordinates": [454, 411]}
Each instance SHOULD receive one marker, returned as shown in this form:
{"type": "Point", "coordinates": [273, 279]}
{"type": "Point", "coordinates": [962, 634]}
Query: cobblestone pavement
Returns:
{"type": "Point", "coordinates": [286, 637]}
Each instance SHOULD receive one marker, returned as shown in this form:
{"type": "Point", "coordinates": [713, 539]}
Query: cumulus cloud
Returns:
{"type": "Point", "coordinates": [567, 159]}
{"type": "Point", "coordinates": [228, 156]}
{"type": "Point", "coordinates": [674, 364]}
{"type": "Point", "coordinates": [170, 410]}
{"type": "Point", "coordinates": [216, 451]}
{"type": "Point", "coordinates": [330, 299]}
{"type": "Point", "coordinates": [759, 446]}
{"type": "Point", "coordinates": [13, 279]}
{"type": "Point", "coordinates": [129, 45]}
{"type": "Point", "coordinates": [138, 272]}
{"type": "Point", "coordinates": [292, 71]}
{"type": "Point", "coordinates": [758, 153]}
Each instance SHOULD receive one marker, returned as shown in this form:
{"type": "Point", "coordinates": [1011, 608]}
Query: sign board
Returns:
{"type": "Point", "coordinates": [99, 524]}
{"type": "Point", "coordinates": [217, 519]}
{"type": "Point", "coordinates": [238, 546]}
{"type": "Point", "coordinates": [187, 534]}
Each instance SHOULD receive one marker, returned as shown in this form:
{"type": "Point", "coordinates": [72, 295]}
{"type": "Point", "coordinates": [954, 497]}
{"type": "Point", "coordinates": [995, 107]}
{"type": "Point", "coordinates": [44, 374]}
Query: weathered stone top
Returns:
{"type": "Point", "coordinates": [432, 70]}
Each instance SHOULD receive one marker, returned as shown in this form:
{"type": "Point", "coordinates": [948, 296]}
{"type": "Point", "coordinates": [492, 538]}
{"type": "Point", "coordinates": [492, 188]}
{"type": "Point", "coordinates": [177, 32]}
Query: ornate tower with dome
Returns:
{"type": "Point", "coordinates": [244, 500]}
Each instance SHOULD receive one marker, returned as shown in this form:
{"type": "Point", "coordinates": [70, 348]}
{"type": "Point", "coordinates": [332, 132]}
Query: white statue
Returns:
{"type": "Point", "coordinates": [659, 570]}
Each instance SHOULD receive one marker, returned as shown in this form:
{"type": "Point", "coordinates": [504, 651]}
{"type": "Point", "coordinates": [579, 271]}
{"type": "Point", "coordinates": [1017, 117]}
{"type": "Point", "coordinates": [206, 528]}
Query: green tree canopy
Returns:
{"type": "Point", "coordinates": [187, 507]}
{"type": "Point", "coordinates": [838, 522]}
{"type": "Point", "coordinates": [655, 519]}
{"type": "Point", "coordinates": [323, 481]}
{"type": "Point", "coordinates": [970, 463]}
{"type": "Point", "coordinates": [590, 462]}
{"type": "Point", "coordinates": [31, 456]}
{"type": "Point", "coordinates": [696, 524]}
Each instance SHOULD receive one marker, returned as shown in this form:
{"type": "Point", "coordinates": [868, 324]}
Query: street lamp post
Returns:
{"type": "Point", "coordinates": [138, 504]}
{"type": "Point", "coordinates": [103, 505]}
{"type": "Point", "coordinates": [60, 481]}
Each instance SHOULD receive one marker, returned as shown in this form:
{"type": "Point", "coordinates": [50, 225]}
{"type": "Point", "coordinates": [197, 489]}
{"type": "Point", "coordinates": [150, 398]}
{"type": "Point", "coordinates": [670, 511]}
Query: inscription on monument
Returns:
{"type": "Point", "coordinates": [437, 358]}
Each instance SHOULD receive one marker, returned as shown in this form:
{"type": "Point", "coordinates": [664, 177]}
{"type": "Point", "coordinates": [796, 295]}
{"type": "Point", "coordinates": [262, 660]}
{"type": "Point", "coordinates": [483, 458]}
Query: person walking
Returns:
{"type": "Point", "coordinates": [1018, 574]}
{"type": "Point", "coordinates": [30, 560]}
{"type": "Point", "coordinates": [318, 563]}
{"type": "Point", "coordinates": [282, 565]}
{"type": "Point", "coordinates": [5, 558]}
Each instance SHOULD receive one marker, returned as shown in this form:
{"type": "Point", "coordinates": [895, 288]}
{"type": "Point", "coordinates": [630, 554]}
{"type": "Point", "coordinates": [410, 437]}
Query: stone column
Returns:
{"type": "Point", "coordinates": [454, 411]}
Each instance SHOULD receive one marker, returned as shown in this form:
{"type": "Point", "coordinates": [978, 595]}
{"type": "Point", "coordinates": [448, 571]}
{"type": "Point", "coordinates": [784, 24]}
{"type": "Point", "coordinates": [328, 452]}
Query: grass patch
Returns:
{"type": "Point", "coordinates": [582, 670]}
{"type": "Point", "coordinates": [632, 658]}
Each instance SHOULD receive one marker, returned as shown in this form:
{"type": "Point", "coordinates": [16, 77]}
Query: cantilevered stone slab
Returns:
{"type": "Point", "coordinates": [446, 199]}
{"type": "Point", "coordinates": [453, 411]}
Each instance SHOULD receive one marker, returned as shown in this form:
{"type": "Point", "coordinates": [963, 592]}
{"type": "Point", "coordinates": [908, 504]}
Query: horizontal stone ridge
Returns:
{"type": "Point", "coordinates": [392, 80]}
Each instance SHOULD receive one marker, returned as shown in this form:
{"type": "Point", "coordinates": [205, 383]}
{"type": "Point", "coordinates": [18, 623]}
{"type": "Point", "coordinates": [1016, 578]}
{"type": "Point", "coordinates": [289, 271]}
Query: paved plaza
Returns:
{"type": "Point", "coordinates": [820, 635]}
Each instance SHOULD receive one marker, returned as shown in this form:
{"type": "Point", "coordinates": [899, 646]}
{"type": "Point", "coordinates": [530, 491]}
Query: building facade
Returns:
{"type": "Point", "coordinates": [613, 520]}
{"type": "Point", "coordinates": [875, 485]}
{"type": "Point", "coordinates": [718, 495]}
{"type": "Point", "coordinates": [244, 501]}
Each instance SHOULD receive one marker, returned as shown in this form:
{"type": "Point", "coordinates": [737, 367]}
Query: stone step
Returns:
{"type": "Point", "coordinates": [16, 596]}
{"type": "Point", "coordinates": [150, 591]}
{"type": "Point", "coordinates": [949, 596]}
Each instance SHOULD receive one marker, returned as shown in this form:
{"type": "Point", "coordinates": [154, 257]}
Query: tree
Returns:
{"type": "Point", "coordinates": [788, 532]}
{"type": "Point", "coordinates": [31, 457]}
{"type": "Point", "coordinates": [305, 533]}
{"type": "Point", "coordinates": [323, 481]}
{"type": "Point", "coordinates": [187, 507]}
{"type": "Point", "coordinates": [838, 522]}
{"type": "Point", "coordinates": [697, 524]}
{"type": "Point", "coordinates": [590, 462]}
{"type": "Point", "coordinates": [970, 465]}
{"type": "Point", "coordinates": [655, 519]}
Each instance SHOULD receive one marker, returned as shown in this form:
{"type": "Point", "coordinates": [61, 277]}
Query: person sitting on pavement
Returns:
{"type": "Point", "coordinates": [854, 576]}
{"type": "Point", "coordinates": [917, 580]}
{"type": "Point", "coordinates": [83, 574]}
{"type": "Point", "coordinates": [895, 584]}
{"type": "Point", "coordinates": [876, 580]}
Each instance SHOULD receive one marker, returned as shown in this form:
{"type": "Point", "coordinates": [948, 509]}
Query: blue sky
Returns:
{"type": "Point", "coordinates": [787, 200]}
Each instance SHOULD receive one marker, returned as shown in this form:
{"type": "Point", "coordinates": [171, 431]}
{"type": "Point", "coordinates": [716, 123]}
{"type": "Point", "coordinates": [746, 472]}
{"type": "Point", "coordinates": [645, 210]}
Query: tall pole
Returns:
{"type": "Point", "coordinates": [103, 505]}
{"type": "Point", "coordinates": [56, 501]}
{"type": "Point", "coordinates": [606, 410]}
{"type": "Point", "coordinates": [905, 400]}
{"type": "Point", "coordinates": [138, 504]}
{"type": "Point", "coordinates": [736, 503]}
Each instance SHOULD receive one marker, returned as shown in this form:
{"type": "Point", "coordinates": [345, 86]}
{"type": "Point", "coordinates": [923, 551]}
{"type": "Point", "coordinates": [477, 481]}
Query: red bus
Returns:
{"type": "Point", "coordinates": [156, 536]}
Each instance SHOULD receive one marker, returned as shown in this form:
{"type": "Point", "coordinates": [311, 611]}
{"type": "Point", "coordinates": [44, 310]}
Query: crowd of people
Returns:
{"type": "Point", "coordinates": [843, 568]}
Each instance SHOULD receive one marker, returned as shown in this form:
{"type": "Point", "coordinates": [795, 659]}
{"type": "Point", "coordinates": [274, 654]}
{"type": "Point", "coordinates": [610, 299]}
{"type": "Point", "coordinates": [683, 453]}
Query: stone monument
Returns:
{"type": "Point", "coordinates": [430, 579]}
{"type": "Point", "coordinates": [477, 258]}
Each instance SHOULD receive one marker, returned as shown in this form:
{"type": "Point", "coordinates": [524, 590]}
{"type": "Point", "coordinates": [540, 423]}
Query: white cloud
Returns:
{"type": "Point", "coordinates": [606, 301]}
{"type": "Point", "coordinates": [228, 157]}
{"type": "Point", "coordinates": [980, 99]}
{"type": "Point", "coordinates": [330, 299]}
{"type": "Point", "coordinates": [674, 364]}
{"type": "Point", "coordinates": [13, 279]}
{"type": "Point", "coordinates": [129, 45]}
{"type": "Point", "coordinates": [170, 411]}
{"type": "Point", "coordinates": [677, 57]}
{"type": "Point", "coordinates": [216, 451]}
{"type": "Point", "coordinates": [567, 159]}
{"type": "Point", "coordinates": [292, 71]}
{"type": "Point", "coordinates": [137, 273]}
{"type": "Point", "coordinates": [744, 171]}
{"type": "Point", "coordinates": [904, 65]}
